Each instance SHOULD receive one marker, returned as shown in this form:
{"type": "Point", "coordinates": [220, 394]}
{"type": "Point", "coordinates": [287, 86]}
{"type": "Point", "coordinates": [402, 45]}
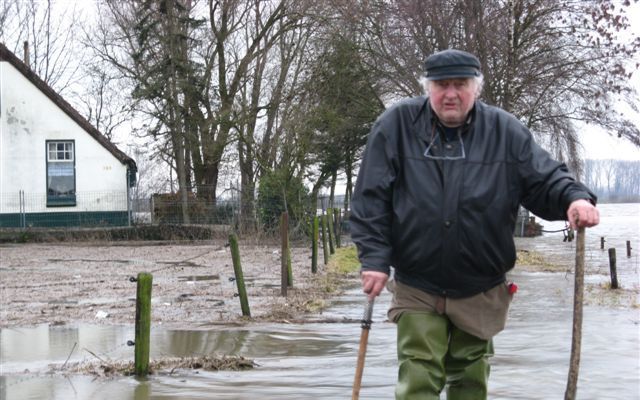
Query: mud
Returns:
{"type": "Point", "coordinates": [193, 283]}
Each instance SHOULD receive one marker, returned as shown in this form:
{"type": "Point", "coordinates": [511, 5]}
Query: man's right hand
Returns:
{"type": "Point", "coordinates": [373, 282]}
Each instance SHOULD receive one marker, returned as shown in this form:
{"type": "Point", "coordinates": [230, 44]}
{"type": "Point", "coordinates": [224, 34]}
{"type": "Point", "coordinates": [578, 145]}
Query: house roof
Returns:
{"type": "Point", "coordinates": [7, 55]}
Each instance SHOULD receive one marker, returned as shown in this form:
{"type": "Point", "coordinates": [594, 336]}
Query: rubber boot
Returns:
{"type": "Point", "coordinates": [467, 366]}
{"type": "Point", "coordinates": [422, 348]}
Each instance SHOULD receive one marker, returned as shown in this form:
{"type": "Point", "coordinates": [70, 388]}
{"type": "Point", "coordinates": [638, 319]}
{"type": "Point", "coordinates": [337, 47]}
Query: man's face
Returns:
{"type": "Point", "coordinates": [452, 99]}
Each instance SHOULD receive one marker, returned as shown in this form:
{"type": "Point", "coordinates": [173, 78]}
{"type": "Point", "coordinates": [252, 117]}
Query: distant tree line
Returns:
{"type": "Point", "coordinates": [614, 181]}
{"type": "Point", "coordinates": [277, 96]}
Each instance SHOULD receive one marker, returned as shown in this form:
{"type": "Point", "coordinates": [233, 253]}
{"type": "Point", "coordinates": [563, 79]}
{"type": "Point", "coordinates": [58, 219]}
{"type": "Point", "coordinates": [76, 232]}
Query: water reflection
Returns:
{"type": "Point", "coordinates": [317, 361]}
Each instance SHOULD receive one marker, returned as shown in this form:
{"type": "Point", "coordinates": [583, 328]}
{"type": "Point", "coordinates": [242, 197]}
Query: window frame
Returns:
{"type": "Point", "coordinates": [60, 200]}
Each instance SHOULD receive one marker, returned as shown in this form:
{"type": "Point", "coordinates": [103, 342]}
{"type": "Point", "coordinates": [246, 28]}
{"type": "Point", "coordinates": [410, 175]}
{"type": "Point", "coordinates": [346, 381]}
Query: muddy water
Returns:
{"type": "Point", "coordinates": [317, 361]}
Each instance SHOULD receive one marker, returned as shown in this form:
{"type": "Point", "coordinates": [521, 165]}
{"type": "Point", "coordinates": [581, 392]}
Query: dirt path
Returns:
{"type": "Point", "coordinates": [192, 283]}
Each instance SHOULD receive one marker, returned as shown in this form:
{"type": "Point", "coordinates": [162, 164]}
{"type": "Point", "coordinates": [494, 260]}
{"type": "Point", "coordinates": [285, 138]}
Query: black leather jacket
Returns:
{"type": "Point", "coordinates": [445, 220]}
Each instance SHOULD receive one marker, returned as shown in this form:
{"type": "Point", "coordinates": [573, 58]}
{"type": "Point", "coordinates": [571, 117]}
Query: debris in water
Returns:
{"type": "Point", "coordinates": [110, 369]}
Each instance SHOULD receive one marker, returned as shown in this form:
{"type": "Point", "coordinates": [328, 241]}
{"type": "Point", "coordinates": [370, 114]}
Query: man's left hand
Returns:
{"type": "Point", "coordinates": [582, 213]}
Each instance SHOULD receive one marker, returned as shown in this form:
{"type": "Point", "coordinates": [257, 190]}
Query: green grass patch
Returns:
{"type": "Point", "coordinates": [344, 261]}
{"type": "Point", "coordinates": [341, 270]}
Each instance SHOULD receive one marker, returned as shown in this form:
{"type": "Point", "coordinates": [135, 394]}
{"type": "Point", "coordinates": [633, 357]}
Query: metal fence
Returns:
{"type": "Point", "coordinates": [104, 209]}
{"type": "Point", "coordinates": [24, 210]}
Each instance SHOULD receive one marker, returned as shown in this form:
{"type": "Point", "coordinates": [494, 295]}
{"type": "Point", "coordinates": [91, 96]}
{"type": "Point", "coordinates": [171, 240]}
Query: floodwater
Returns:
{"type": "Point", "coordinates": [317, 361]}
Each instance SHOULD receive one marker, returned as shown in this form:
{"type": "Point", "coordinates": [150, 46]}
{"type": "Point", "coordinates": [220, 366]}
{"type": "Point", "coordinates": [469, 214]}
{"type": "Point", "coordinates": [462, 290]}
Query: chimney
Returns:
{"type": "Point", "coordinates": [26, 53]}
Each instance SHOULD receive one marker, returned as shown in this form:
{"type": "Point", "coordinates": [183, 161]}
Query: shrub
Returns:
{"type": "Point", "coordinates": [274, 186]}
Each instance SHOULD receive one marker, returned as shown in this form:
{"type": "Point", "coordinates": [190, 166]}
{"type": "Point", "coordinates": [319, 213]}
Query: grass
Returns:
{"type": "Point", "coordinates": [340, 272]}
{"type": "Point", "coordinates": [534, 261]}
{"type": "Point", "coordinates": [601, 294]}
{"type": "Point", "coordinates": [344, 261]}
{"type": "Point", "coordinates": [342, 264]}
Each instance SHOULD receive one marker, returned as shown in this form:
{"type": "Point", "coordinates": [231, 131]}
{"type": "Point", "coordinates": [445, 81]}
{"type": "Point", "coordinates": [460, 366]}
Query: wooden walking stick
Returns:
{"type": "Point", "coordinates": [362, 351]}
{"type": "Point", "coordinates": [576, 340]}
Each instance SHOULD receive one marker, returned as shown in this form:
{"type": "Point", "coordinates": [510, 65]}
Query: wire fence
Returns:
{"type": "Point", "coordinates": [105, 209]}
{"type": "Point", "coordinates": [24, 210]}
{"type": "Point", "coordinates": [253, 215]}
{"type": "Point", "coordinates": [168, 212]}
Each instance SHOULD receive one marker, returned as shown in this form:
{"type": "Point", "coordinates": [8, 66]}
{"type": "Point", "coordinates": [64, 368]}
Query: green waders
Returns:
{"type": "Point", "coordinates": [432, 352]}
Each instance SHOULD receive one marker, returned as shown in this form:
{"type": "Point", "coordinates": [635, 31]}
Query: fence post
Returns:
{"type": "Point", "coordinates": [289, 268]}
{"type": "Point", "coordinates": [325, 249]}
{"type": "Point", "coordinates": [237, 269]}
{"type": "Point", "coordinates": [152, 208]}
{"type": "Point", "coordinates": [284, 254]}
{"type": "Point", "coordinates": [143, 323]}
{"type": "Point", "coordinates": [601, 242]}
{"type": "Point", "coordinates": [628, 248]}
{"type": "Point", "coordinates": [612, 268]}
{"type": "Point", "coordinates": [23, 213]}
{"type": "Point", "coordinates": [332, 248]}
{"type": "Point", "coordinates": [129, 205]}
{"type": "Point", "coordinates": [337, 225]}
{"type": "Point", "coordinates": [314, 244]}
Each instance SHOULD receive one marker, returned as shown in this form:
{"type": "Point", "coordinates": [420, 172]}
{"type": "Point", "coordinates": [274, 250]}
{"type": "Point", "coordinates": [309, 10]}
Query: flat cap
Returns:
{"type": "Point", "coordinates": [451, 63]}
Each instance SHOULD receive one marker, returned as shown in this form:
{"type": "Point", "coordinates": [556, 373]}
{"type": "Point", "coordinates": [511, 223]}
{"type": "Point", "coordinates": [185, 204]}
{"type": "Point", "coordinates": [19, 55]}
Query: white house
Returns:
{"type": "Point", "coordinates": [56, 169]}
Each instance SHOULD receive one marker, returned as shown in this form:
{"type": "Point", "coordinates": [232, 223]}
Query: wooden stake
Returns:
{"type": "Point", "coordinates": [332, 235]}
{"type": "Point", "coordinates": [362, 350]}
{"type": "Point", "coordinates": [576, 340]}
{"type": "Point", "coordinates": [314, 244]}
{"type": "Point", "coordinates": [284, 254]}
{"type": "Point", "coordinates": [337, 213]}
{"type": "Point", "coordinates": [237, 269]}
{"type": "Point", "coordinates": [613, 269]}
{"type": "Point", "coordinates": [143, 324]}
{"type": "Point", "coordinates": [325, 249]}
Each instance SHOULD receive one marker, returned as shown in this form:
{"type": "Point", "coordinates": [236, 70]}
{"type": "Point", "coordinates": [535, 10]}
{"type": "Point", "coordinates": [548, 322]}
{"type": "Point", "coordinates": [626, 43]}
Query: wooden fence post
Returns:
{"type": "Point", "coordinates": [284, 253]}
{"type": "Point", "coordinates": [325, 249]}
{"type": "Point", "coordinates": [237, 269]}
{"type": "Point", "coordinates": [612, 268]}
{"type": "Point", "coordinates": [628, 248]}
{"type": "Point", "coordinates": [314, 244]}
{"type": "Point", "coordinates": [332, 235]}
{"type": "Point", "coordinates": [601, 242]}
{"type": "Point", "coordinates": [289, 268]}
{"type": "Point", "coordinates": [143, 323]}
{"type": "Point", "coordinates": [337, 212]}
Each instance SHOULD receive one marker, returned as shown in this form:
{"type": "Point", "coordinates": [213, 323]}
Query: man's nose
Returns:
{"type": "Point", "coordinates": [450, 91]}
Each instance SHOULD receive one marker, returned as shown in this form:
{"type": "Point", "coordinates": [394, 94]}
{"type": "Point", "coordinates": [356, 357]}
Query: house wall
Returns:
{"type": "Point", "coordinates": [28, 118]}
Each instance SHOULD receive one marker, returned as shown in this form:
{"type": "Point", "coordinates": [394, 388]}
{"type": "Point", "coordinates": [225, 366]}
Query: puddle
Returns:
{"type": "Point", "coordinates": [197, 278]}
{"type": "Point", "coordinates": [317, 361]}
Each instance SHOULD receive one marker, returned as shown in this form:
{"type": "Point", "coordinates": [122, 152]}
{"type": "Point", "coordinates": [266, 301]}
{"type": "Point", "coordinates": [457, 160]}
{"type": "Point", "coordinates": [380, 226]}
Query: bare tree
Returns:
{"type": "Point", "coordinates": [614, 180]}
{"type": "Point", "coordinates": [148, 44]}
{"type": "Point", "coordinates": [101, 99]}
{"type": "Point", "coordinates": [50, 34]}
{"type": "Point", "coordinates": [549, 62]}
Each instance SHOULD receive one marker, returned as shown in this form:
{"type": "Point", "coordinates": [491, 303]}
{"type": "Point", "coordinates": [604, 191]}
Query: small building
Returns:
{"type": "Point", "coordinates": [56, 169]}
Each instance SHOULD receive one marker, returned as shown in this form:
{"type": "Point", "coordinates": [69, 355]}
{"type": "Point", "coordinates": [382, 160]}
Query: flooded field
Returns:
{"type": "Point", "coordinates": [317, 360]}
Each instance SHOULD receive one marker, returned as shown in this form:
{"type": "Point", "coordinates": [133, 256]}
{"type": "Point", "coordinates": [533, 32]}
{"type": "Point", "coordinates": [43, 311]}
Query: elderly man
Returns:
{"type": "Point", "coordinates": [436, 198]}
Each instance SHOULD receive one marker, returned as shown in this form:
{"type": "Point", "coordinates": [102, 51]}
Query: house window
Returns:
{"type": "Point", "coordinates": [61, 173]}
